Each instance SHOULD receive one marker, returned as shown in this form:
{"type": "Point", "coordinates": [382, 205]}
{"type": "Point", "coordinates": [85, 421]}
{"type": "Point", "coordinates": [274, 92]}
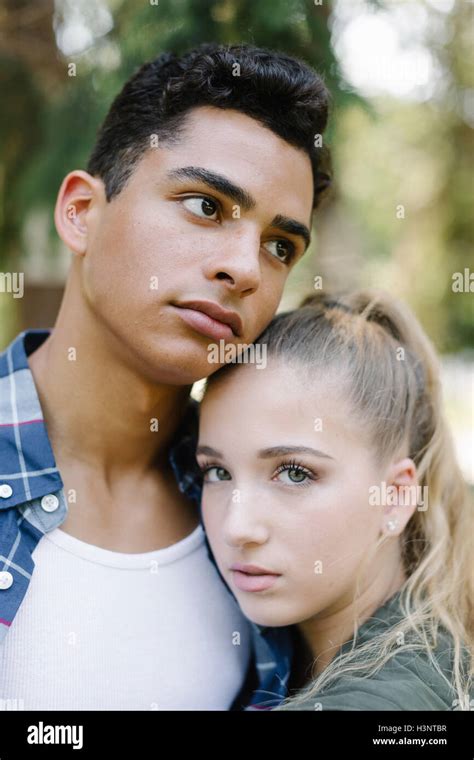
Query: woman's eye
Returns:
{"type": "Point", "coordinates": [215, 474]}
{"type": "Point", "coordinates": [201, 206]}
{"type": "Point", "coordinates": [294, 476]}
{"type": "Point", "coordinates": [283, 250]}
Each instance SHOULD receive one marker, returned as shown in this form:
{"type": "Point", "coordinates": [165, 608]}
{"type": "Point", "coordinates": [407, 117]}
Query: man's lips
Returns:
{"type": "Point", "coordinates": [211, 319]}
{"type": "Point", "coordinates": [253, 577]}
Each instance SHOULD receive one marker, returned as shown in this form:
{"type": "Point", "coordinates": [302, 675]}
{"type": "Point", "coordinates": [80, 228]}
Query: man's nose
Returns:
{"type": "Point", "coordinates": [237, 262]}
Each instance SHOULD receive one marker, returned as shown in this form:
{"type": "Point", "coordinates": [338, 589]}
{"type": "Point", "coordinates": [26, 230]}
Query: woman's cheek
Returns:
{"type": "Point", "coordinates": [207, 516]}
{"type": "Point", "coordinates": [328, 547]}
{"type": "Point", "coordinates": [213, 518]}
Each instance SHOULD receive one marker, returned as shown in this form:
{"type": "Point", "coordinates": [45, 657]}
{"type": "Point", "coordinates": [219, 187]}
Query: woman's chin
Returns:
{"type": "Point", "coordinates": [264, 614]}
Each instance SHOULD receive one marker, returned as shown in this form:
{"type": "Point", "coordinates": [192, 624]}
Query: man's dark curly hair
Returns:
{"type": "Point", "coordinates": [279, 91]}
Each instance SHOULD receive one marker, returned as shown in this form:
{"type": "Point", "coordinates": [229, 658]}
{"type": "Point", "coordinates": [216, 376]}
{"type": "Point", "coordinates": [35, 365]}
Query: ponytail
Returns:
{"type": "Point", "coordinates": [392, 376]}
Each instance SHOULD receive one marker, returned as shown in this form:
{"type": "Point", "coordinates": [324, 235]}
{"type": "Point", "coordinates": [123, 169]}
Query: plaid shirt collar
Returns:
{"type": "Point", "coordinates": [28, 469]}
{"type": "Point", "coordinates": [31, 483]}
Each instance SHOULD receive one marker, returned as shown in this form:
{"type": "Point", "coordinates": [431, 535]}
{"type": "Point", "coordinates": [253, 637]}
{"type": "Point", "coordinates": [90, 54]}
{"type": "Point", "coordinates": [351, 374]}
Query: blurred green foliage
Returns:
{"type": "Point", "coordinates": [386, 152]}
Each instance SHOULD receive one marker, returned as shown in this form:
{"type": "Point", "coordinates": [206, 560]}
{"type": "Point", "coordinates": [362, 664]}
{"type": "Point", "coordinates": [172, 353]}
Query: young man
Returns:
{"type": "Point", "coordinates": [196, 203]}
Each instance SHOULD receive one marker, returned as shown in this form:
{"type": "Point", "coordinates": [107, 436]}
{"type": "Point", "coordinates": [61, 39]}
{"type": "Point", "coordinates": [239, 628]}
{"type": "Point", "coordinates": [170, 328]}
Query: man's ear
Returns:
{"type": "Point", "coordinates": [78, 194]}
{"type": "Point", "coordinates": [402, 487]}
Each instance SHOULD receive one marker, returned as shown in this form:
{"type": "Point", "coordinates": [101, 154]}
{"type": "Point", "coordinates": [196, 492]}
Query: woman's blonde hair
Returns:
{"type": "Point", "coordinates": [393, 381]}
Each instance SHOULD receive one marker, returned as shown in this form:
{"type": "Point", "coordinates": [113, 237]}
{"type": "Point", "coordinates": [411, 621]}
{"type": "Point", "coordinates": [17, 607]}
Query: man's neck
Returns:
{"type": "Point", "coordinates": [110, 431]}
{"type": "Point", "coordinates": [98, 410]}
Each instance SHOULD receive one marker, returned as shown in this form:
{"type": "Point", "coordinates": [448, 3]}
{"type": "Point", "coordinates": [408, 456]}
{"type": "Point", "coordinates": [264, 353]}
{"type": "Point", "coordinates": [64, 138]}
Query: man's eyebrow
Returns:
{"type": "Point", "coordinates": [286, 224]}
{"type": "Point", "coordinates": [217, 182]}
{"type": "Point", "coordinates": [274, 451]}
{"type": "Point", "coordinates": [240, 196]}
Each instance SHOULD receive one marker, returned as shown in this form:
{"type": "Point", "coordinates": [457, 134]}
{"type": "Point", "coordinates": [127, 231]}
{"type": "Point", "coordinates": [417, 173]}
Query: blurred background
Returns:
{"type": "Point", "coordinates": [401, 137]}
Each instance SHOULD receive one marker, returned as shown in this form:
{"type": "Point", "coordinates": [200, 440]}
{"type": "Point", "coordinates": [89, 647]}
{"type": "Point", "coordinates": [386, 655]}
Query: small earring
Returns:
{"type": "Point", "coordinates": [392, 525]}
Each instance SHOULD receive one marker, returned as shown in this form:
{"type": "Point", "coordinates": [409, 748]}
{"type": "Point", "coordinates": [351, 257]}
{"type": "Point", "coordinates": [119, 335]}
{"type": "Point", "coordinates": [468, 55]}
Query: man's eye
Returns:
{"type": "Point", "coordinates": [215, 474]}
{"type": "Point", "coordinates": [201, 206]}
{"type": "Point", "coordinates": [283, 250]}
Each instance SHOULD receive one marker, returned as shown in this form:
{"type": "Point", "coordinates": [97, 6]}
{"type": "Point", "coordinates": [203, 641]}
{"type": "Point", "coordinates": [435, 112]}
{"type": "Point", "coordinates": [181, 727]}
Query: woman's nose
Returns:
{"type": "Point", "coordinates": [245, 524]}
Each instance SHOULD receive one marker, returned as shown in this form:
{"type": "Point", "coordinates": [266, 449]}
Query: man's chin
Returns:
{"type": "Point", "coordinates": [168, 375]}
{"type": "Point", "coordinates": [165, 362]}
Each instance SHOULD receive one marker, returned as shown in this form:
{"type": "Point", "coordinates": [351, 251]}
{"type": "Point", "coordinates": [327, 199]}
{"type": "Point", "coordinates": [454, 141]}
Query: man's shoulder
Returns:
{"type": "Point", "coordinates": [14, 357]}
{"type": "Point", "coordinates": [27, 461]}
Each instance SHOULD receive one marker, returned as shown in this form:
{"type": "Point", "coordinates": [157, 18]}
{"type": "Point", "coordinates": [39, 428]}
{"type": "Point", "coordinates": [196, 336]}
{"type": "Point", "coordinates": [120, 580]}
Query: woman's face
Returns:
{"type": "Point", "coordinates": [287, 490]}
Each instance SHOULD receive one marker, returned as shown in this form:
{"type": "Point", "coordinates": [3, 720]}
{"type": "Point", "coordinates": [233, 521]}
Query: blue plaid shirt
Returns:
{"type": "Point", "coordinates": [32, 502]}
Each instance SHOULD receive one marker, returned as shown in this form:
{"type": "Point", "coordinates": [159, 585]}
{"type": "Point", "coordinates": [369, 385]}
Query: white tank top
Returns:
{"type": "Point", "coordinates": [103, 630]}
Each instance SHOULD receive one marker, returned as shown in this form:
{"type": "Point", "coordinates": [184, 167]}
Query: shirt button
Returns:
{"type": "Point", "coordinates": [50, 502]}
{"type": "Point", "coordinates": [6, 580]}
{"type": "Point", "coordinates": [5, 491]}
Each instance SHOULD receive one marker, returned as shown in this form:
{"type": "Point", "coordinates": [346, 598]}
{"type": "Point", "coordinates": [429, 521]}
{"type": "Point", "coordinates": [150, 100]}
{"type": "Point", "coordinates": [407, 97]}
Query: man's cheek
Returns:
{"type": "Point", "coordinates": [269, 303]}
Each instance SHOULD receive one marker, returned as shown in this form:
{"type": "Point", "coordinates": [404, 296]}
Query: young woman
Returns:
{"type": "Point", "coordinates": [333, 503]}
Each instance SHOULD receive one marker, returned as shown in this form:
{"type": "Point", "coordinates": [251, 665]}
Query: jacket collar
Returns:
{"type": "Point", "coordinates": [28, 467]}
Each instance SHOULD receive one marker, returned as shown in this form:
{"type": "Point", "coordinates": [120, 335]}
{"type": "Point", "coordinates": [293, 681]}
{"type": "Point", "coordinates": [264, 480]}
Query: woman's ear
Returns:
{"type": "Point", "coordinates": [402, 496]}
{"type": "Point", "coordinates": [79, 193]}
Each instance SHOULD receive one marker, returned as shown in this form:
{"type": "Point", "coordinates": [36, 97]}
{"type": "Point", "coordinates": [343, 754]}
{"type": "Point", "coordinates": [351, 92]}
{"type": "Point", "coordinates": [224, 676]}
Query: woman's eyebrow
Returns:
{"type": "Point", "coordinates": [273, 451]}
{"type": "Point", "coordinates": [240, 196]}
{"type": "Point", "coordinates": [281, 451]}
{"type": "Point", "coordinates": [208, 451]}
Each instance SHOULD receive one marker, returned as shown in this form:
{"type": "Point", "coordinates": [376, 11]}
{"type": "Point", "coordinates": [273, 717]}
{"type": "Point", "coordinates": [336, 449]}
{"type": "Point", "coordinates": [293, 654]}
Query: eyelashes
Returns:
{"type": "Point", "coordinates": [206, 466]}
{"type": "Point", "coordinates": [290, 250]}
{"type": "Point", "coordinates": [195, 204]}
{"type": "Point", "coordinates": [201, 199]}
{"type": "Point", "coordinates": [291, 466]}
{"type": "Point", "coordinates": [300, 469]}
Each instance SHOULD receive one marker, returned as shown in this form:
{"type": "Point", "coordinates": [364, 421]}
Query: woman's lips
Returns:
{"type": "Point", "coordinates": [248, 582]}
{"type": "Point", "coordinates": [206, 325]}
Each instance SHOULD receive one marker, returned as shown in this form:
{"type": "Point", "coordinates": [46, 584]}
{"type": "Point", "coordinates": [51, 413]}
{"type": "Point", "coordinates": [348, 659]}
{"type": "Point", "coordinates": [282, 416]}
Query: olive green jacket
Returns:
{"type": "Point", "coordinates": [408, 681]}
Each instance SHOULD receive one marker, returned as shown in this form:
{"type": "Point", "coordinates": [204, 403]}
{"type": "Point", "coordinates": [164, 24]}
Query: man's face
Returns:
{"type": "Point", "coordinates": [168, 238]}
